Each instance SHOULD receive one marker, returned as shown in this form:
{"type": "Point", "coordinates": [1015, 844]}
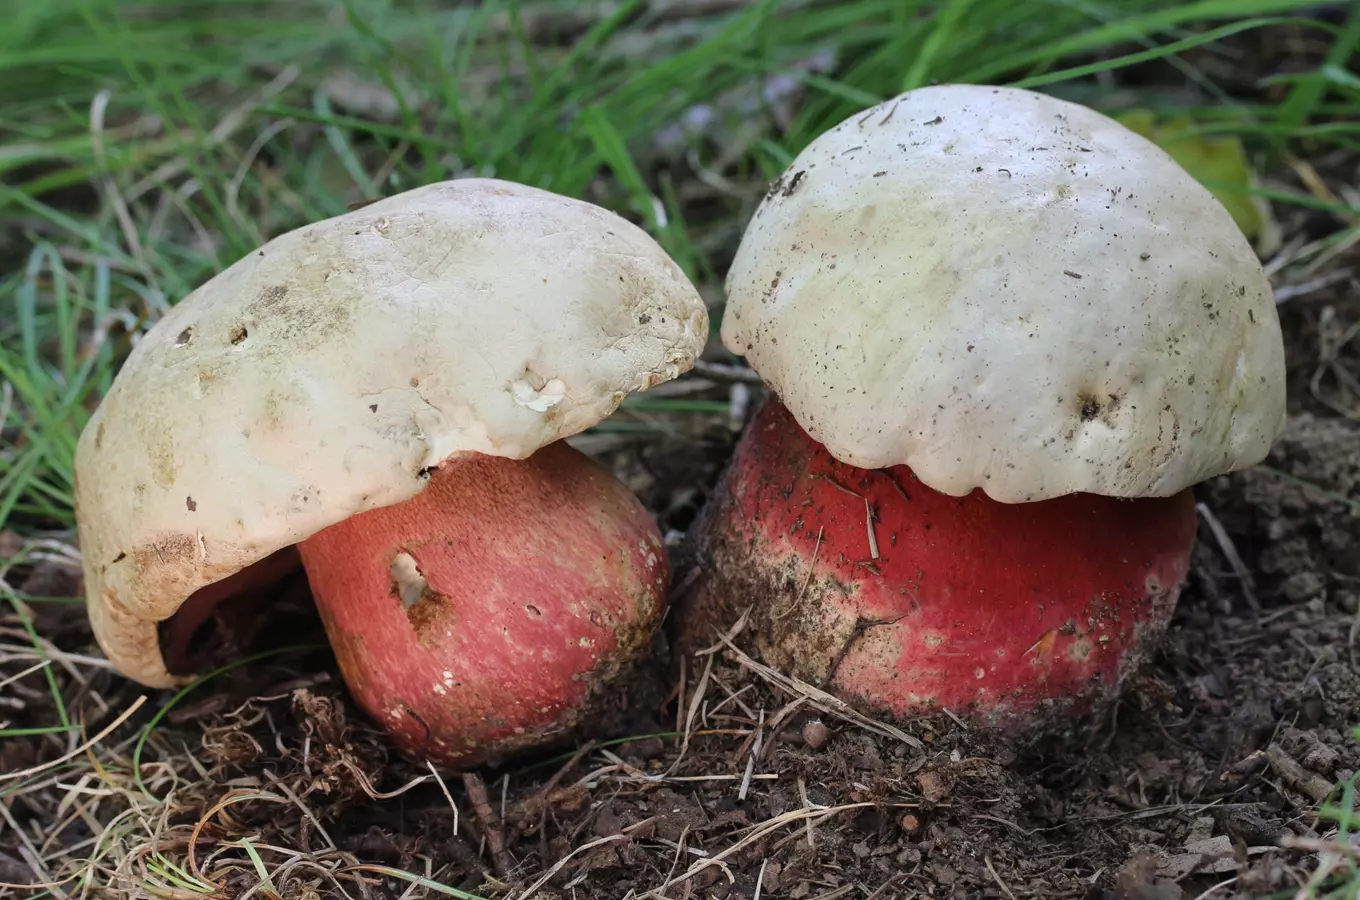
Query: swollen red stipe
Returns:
{"type": "Point", "coordinates": [994, 611]}
{"type": "Point", "coordinates": [521, 591]}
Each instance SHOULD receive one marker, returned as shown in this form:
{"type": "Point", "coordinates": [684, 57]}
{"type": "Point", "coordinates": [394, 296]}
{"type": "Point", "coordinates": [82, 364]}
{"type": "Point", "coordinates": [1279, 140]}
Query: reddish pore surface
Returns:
{"type": "Point", "coordinates": [994, 611]}
{"type": "Point", "coordinates": [494, 611]}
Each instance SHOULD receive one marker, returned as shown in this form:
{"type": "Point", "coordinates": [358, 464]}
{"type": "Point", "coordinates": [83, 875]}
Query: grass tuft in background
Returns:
{"type": "Point", "coordinates": [145, 146]}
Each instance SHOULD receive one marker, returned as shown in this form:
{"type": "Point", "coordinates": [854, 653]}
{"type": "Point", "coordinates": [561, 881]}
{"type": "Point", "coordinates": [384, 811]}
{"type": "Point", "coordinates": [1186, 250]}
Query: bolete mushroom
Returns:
{"type": "Point", "coordinates": [381, 398]}
{"type": "Point", "coordinates": [1004, 336]}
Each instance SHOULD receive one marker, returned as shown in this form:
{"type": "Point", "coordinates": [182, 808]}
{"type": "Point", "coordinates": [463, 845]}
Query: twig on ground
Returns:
{"type": "Point", "coordinates": [835, 893]}
{"type": "Point", "coordinates": [758, 832]}
{"type": "Point", "coordinates": [695, 702]}
{"type": "Point", "coordinates": [489, 822]}
{"type": "Point", "coordinates": [306, 813]}
{"type": "Point", "coordinates": [1225, 543]}
{"type": "Point", "coordinates": [732, 697]}
{"type": "Point", "coordinates": [540, 800]}
{"type": "Point", "coordinates": [821, 700]}
{"type": "Point", "coordinates": [807, 825]}
{"type": "Point", "coordinates": [751, 757]}
{"type": "Point", "coordinates": [777, 723]}
{"type": "Point", "coordinates": [546, 876]}
{"type": "Point", "coordinates": [447, 796]}
{"type": "Point", "coordinates": [991, 870]}
{"type": "Point", "coordinates": [887, 882]}
{"type": "Point", "coordinates": [1296, 777]}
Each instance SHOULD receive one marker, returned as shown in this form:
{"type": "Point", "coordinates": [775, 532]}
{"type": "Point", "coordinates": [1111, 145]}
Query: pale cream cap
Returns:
{"type": "Point", "coordinates": [1010, 292]}
{"type": "Point", "coordinates": [320, 375]}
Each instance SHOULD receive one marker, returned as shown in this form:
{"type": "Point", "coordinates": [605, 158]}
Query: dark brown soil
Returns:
{"type": "Point", "coordinates": [1223, 747]}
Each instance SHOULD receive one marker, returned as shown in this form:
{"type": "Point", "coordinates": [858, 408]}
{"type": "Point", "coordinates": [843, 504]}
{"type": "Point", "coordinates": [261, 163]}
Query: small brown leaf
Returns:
{"type": "Point", "coordinates": [936, 784]}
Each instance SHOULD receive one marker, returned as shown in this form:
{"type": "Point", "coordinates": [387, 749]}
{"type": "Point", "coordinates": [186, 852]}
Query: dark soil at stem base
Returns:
{"type": "Point", "coordinates": [1222, 746]}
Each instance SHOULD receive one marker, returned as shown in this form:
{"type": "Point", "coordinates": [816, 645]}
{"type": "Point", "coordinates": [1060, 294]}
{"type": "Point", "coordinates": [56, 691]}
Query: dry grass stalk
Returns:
{"type": "Point", "coordinates": [759, 832]}
{"type": "Point", "coordinates": [820, 699]}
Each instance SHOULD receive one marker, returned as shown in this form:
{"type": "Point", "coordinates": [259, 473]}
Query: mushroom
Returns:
{"type": "Point", "coordinates": [381, 398]}
{"type": "Point", "coordinates": [1004, 337]}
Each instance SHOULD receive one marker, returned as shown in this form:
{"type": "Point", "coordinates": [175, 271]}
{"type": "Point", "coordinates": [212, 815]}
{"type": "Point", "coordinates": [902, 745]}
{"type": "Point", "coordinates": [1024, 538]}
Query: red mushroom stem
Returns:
{"type": "Point", "coordinates": [904, 600]}
{"type": "Point", "coordinates": [497, 610]}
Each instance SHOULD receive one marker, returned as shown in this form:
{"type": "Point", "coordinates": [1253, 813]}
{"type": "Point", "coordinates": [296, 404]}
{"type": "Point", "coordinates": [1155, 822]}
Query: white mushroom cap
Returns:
{"type": "Point", "coordinates": [1010, 292]}
{"type": "Point", "coordinates": [318, 377]}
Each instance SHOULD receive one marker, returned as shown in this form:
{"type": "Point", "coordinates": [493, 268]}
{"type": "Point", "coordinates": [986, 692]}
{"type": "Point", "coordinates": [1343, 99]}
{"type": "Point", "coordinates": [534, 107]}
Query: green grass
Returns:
{"type": "Point", "coordinates": [146, 145]}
